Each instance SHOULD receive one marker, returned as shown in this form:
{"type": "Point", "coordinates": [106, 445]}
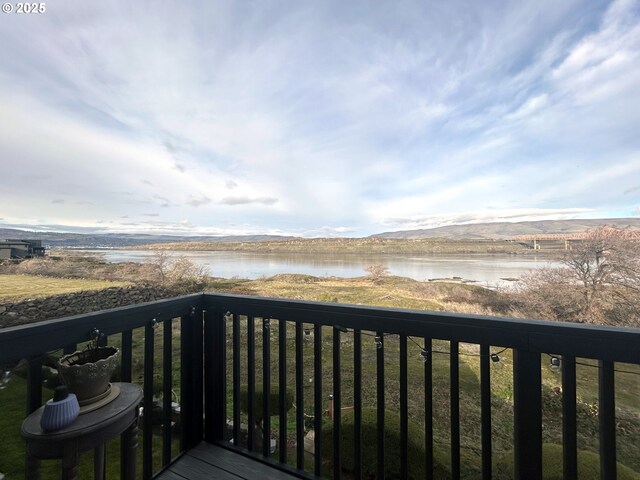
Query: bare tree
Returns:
{"type": "Point", "coordinates": [376, 272]}
{"type": "Point", "coordinates": [177, 272]}
{"type": "Point", "coordinates": [599, 283]}
{"type": "Point", "coordinates": [160, 263]}
{"type": "Point", "coordinates": [183, 270]}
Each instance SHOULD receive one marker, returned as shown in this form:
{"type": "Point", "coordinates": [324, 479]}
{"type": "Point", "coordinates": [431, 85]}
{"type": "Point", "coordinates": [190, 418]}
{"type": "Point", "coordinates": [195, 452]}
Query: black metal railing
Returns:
{"type": "Point", "coordinates": [234, 347]}
{"type": "Point", "coordinates": [127, 327]}
{"type": "Point", "coordinates": [529, 343]}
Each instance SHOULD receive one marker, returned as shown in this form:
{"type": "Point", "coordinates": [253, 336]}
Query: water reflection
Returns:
{"type": "Point", "coordinates": [488, 270]}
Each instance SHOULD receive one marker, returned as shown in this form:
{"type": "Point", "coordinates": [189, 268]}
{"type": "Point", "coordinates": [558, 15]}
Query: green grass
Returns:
{"type": "Point", "coordinates": [21, 287]}
{"type": "Point", "coordinates": [588, 466]}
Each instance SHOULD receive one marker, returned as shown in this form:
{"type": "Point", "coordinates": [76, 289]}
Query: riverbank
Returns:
{"type": "Point", "coordinates": [386, 291]}
{"type": "Point", "coordinates": [355, 245]}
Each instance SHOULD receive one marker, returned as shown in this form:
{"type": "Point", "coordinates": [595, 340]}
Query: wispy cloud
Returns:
{"type": "Point", "coordinates": [328, 113]}
{"type": "Point", "coordinates": [197, 200]}
{"type": "Point", "coordinates": [248, 200]}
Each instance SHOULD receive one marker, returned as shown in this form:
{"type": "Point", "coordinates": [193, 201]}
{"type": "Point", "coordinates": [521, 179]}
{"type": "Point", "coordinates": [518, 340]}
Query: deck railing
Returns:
{"type": "Point", "coordinates": [125, 327]}
{"type": "Point", "coordinates": [234, 343]}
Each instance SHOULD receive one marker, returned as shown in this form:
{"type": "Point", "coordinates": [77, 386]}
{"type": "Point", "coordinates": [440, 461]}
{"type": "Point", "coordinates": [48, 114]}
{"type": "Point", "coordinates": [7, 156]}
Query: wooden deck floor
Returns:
{"type": "Point", "coordinates": [208, 461]}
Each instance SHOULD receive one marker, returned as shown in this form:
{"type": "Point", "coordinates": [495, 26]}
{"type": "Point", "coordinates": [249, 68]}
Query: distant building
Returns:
{"type": "Point", "coordinates": [21, 249]}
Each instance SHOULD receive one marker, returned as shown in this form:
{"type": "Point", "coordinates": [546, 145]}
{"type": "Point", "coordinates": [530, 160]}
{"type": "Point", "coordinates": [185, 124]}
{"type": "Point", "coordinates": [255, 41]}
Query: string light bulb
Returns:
{"type": "Point", "coordinates": [424, 355]}
{"type": "Point", "coordinates": [554, 363]}
{"type": "Point", "coordinates": [495, 358]}
{"type": "Point", "coordinates": [378, 341]}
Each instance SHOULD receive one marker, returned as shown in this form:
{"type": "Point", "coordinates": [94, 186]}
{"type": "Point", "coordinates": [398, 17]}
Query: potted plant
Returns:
{"type": "Point", "coordinates": [88, 372]}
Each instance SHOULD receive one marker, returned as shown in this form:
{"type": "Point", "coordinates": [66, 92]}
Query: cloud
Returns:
{"type": "Point", "coordinates": [411, 115]}
{"type": "Point", "coordinates": [248, 200]}
{"type": "Point", "coordinates": [58, 201]}
{"type": "Point", "coordinates": [164, 202]}
{"type": "Point", "coordinates": [197, 200]}
{"type": "Point", "coordinates": [150, 214]}
{"type": "Point", "coordinates": [636, 211]}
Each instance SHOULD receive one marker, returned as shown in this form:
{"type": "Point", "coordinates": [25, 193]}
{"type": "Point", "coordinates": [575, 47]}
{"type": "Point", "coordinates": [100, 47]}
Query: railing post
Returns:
{"type": "Point", "coordinates": [214, 374]}
{"type": "Point", "coordinates": [147, 401]}
{"type": "Point", "coordinates": [34, 400]}
{"type": "Point", "coordinates": [527, 415]}
{"type": "Point", "coordinates": [34, 384]}
{"type": "Point", "coordinates": [191, 373]}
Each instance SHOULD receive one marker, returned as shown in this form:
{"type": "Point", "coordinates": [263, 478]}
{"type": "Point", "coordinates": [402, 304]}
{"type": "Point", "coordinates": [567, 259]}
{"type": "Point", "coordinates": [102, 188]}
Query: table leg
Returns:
{"type": "Point", "coordinates": [70, 464]}
{"type": "Point", "coordinates": [98, 463]}
{"type": "Point", "coordinates": [32, 467]}
{"type": "Point", "coordinates": [131, 435]}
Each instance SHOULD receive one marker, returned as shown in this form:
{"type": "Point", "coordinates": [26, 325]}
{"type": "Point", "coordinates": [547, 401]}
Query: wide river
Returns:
{"type": "Point", "coordinates": [487, 270]}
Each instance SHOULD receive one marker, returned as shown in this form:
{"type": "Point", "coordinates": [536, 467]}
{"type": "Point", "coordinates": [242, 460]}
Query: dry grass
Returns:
{"type": "Point", "coordinates": [387, 291]}
{"type": "Point", "coordinates": [22, 287]}
{"type": "Point", "coordinates": [352, 245]}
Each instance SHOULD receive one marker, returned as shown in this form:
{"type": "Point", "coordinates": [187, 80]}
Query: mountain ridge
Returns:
{"type": "Point", "coordinates": [480, 231]}
{"type": "Point", "coordinates": [505, 230]}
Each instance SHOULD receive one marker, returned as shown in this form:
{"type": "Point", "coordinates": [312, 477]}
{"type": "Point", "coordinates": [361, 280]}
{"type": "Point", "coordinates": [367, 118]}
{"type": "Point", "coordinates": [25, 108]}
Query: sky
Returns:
{"type": "Point", "coordinates": [317, 118]}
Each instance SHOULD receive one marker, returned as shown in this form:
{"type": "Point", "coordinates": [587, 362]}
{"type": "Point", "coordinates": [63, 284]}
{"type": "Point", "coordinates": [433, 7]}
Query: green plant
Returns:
{"type": "Point", "coordinates": [415, 446]}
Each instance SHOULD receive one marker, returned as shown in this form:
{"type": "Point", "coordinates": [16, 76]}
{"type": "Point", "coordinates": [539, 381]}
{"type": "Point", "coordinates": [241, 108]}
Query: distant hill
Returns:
{"type": "Point", "coordinates": [505, 230]}
{"type": "Point", "coordinates": [119, 240]}
{"type": "Point", "coordinates": [479, 231]}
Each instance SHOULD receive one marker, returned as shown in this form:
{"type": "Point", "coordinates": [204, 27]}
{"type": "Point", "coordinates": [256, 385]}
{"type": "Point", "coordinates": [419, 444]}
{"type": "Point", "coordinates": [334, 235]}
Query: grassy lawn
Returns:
{"type": "Point", "coordinates": [21, 287]}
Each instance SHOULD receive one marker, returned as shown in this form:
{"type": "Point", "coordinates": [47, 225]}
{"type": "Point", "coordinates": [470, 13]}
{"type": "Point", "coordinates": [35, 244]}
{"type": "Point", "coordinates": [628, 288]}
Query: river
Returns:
{"type": "Point", "coordinates": [486, 270]}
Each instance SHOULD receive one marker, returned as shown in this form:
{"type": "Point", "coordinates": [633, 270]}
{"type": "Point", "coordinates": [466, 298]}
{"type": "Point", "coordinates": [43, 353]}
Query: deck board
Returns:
{"type": "Point", "coordinates": [207, 461]}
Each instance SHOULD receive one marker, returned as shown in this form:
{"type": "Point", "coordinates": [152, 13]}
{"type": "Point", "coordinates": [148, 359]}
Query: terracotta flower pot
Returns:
{"type": "Point", "coordinates": [87, 373]}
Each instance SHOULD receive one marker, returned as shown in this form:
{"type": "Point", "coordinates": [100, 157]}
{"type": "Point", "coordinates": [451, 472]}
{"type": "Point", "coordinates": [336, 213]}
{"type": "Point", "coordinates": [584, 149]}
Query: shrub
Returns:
{"type": "Point", "coordinates": [377, 272]}
{"type": "Point", "coordinates": [415, 454]}
{"type": "Point", "coordinates": [274, 400]}
{"type": "Point", "coordinates": [588, 465]}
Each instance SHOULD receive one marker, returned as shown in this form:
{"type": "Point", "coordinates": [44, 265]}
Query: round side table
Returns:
{"type": "Point", "coordinates": [89, 431]}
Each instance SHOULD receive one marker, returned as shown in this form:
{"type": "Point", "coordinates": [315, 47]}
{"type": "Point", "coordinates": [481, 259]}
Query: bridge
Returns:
{"type": "Point", "coordinates": [556, 240]}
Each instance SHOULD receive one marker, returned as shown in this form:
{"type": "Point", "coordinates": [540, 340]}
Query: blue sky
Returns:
{"type": "Point", "coordinates": [318, 118]}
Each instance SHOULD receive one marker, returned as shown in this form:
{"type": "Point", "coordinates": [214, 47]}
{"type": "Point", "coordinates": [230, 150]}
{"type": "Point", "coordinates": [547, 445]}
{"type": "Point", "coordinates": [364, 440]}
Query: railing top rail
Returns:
{"type": "Point", "coordinates": [593, 341]}
{"type": "Point", "coordinates": [34, 338]}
